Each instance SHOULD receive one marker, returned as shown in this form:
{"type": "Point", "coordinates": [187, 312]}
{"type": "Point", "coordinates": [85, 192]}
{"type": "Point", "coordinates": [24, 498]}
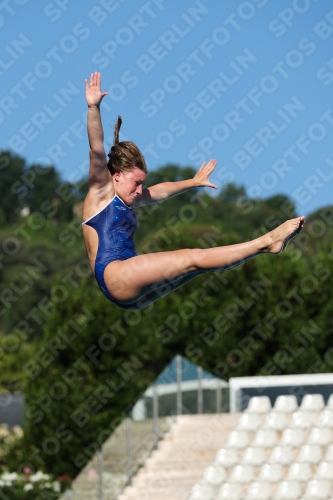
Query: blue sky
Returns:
{"type": "Point", "coordinates": [248, 83]}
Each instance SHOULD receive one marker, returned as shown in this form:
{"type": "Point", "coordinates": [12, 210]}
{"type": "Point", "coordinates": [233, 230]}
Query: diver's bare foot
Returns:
{"type": "Point", "coordinates": [278, 239]}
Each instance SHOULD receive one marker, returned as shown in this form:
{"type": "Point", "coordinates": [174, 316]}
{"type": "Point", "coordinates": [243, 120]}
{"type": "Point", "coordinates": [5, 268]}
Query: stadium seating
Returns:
{"type": "Point", "coordinates": [292, 437]}
{"type": "Point", "coordinates": [321, 436]}
{"type": "Point", "coordinates": [242, 474]}
{"type": "Point", "coordinates": [271, 473]}
{"type": "Point", "coordinates": [325, 470]}
{"type": "Point", "coordinates": [215, 474]}
{"type": "Point", "coordinates": [329, 453]}
{"type": "Point", "coordinates": [266, 438]}
{"type": "Point", "coordinates": [330, 402]}
{"type": "Point", "coordinates": [290, 490]}
{"type": "Point", "coordinates": [281, 455]}
{"type": "Point", "coordinates": [301, 420]}
{"type": "Point", "coordinates": [260, 404]}
{"type": "Point", "coordinates": [230, 491]}
{"type": "Point", "coordinates": [325, 418]}
{"type": "Point", "coordinates": [317, 488]}
{"type": "Point", "coordinates": [275, 420]}
{"type": "Point", "coordinates": [299, 470]}
{"type": "Point", "coordinates": [238, 440]}
{"type": "Point", "coordinates": [202, 492]}
{"type": "Point", "coordinates": [259, 491]}
{"type": "Point", "coordinates": [253, 456]}
{"type": "Point", "coordinates": [227, 457]}
{"type": "Point", "coordinates": [248, 422]}
{"type": "Point", "coordinates": [312, 402]}
{"type": "Point", "coordinates": [284, 452]}
{"type": "Point", "coordinates": [286, 404]}
{"type": "Point", "coordinates": [310, 454]}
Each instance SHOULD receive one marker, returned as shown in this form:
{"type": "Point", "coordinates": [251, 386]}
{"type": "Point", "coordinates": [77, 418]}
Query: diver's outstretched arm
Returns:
{"type": "Point", "coordinates": [99, 175]}
{"type": "Point", "coordinates": [165, 190]}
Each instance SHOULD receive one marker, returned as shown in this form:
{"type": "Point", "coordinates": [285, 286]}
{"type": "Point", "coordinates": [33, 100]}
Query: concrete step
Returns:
{"type": "Point", "coordinates": [131, 493]}
{"type": "Point", "coordinates": [169, 473]}
{"type": "Point", "coordinates": [146, 478]}
{"type": "Point", "coordinates": [165, 483]}
{"type": "Point", "coordinates": [193, 444]}
{"type": "Point", "coordinates": [181, 458]}
{"type": "Point", "coordinates": [183, 454]}
{"type": "Point", "coordinates": [176, 465]}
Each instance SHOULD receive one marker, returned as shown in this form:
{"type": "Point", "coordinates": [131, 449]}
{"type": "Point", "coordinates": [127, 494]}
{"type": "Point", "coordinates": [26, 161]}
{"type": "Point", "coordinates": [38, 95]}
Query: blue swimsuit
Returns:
{"type": "Point", "coordinates": [115, 225]}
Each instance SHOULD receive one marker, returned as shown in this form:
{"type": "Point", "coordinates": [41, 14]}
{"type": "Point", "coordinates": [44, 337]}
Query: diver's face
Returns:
{"type": "Point", "coordinates": [128, 185]}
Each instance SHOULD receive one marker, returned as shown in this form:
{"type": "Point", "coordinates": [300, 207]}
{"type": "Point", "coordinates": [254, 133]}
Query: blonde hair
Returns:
{"type": "Point", "coordinates": [124, 155]}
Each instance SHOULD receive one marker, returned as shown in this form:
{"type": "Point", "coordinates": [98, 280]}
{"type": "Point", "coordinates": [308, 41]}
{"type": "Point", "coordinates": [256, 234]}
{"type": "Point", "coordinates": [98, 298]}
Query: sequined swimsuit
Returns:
{"type": "Point", "coordinates": [115, 225]}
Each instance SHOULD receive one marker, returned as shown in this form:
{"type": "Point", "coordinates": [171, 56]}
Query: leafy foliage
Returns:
{"type": "Point", "coordinates": [90, 361]}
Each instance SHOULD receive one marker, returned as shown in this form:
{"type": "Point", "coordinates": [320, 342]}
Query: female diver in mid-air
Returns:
{"type": "Point", "coordinates": [127, 279]}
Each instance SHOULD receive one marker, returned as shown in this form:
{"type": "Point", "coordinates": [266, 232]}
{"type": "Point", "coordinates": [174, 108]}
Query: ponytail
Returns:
{"type": "Point", "coordinates": [116, 130]}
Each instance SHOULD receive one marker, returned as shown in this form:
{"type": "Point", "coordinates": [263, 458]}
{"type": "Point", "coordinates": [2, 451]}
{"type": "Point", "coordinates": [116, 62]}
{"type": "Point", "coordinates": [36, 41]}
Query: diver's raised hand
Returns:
{"type": "Point", "coordinates": [201, 178]}
{"type": "Point", "coordinates": [94, 95]}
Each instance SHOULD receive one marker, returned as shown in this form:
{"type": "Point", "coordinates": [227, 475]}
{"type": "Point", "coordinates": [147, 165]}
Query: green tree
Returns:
{"type": "Point", "coordinates": [12, 189]}
{"type": "Point", "coordinates": [232, 193]}
{"type": "Point", "coordinates": [269, 316]}
{"type": "Point", "coordinates": [231, 323]}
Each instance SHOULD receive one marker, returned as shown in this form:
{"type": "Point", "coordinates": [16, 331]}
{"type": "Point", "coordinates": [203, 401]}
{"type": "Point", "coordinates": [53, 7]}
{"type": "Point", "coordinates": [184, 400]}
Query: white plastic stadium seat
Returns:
{"type": "Point", "coordinates": [325, 418]}
{"type": "Point", "coordinates": [317, 489]}
{"type": "Point", "coordinates": [259, 404]}
{"type": "Point", "coordinates": [226, 457]}
{"type": "Point", "coordinates": [286, 404]}
{"type": "Point", "coordinates": [248, 422]}
{"type": "Point", "coordinates": [242, 474]}
{"type": "Point", "coordinates": [238, 439]}
{"type": "Point", "coordinates": [301, 420]}
{"type": "Point", "coordinates": [329, 454]}
{"type": "Point", "coordinates": [325, 470]}
{"type": "Point", "coordinates": [310, 454]}
{"type": "Point", "coordinates": [281, 455]}
{"type": "Point", "coordinates": [312, 402]}
{"type": "Point", "coordinates": [259, 491]}
{"type": "Point", "coordinates": [202, 492]}
{"type": "Point", "coordinates": [215, 475]}
{"type": "Point", "coordinates": [299, 472]}
{"type": "Point", "coordinates": [321, 436]}
{"type": "Point", "coordinates": [292, 437]}
{"type": "Point", "coordinates": [254, 456]}
{"type": "Point", "coordinates": [271, 473]}
{"type": "Point", "coordinates": [288, 490]}
{"type": "Point", "coordinates": [231, 491]}
{"type": "Point", "coordinates": [330, 402]}
{"type": "Point", "coordinates": [276, 421]}
{"type": "Point", "coordinates": [266, 438]}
